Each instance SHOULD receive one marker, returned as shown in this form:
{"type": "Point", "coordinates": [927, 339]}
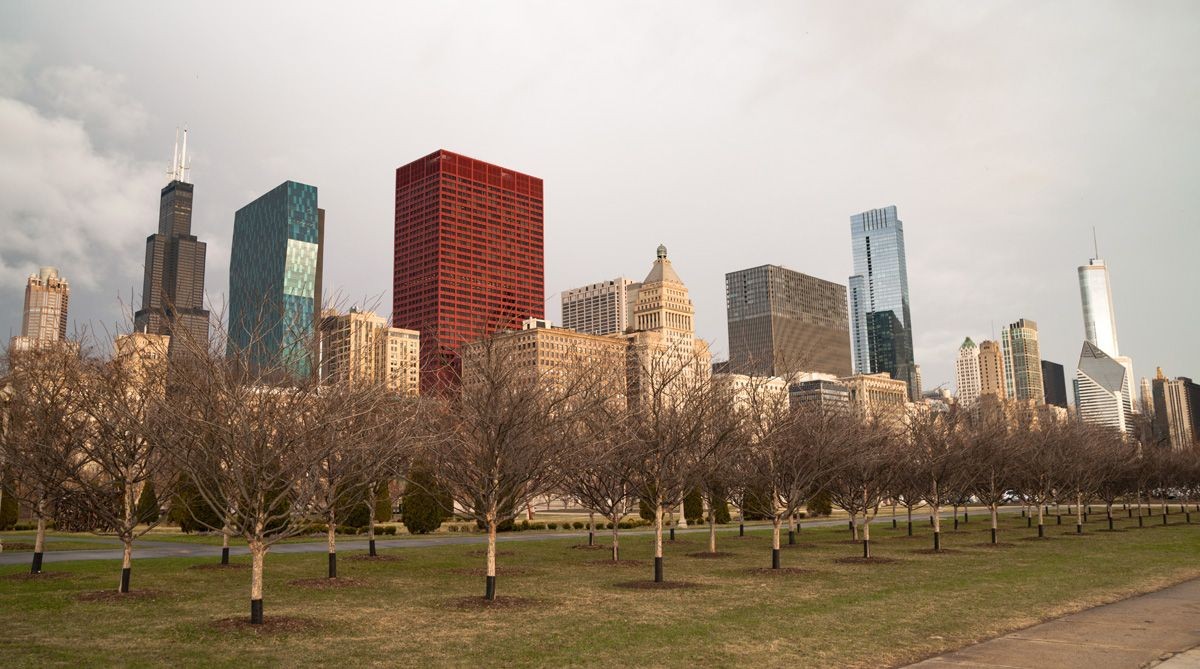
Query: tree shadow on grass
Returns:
{"type": "Point", "coordinates": [112, 596]}
{"type": "Point", "coordinates": [657, 585]}
{"type": "Point", "coordinates": [270, 625]}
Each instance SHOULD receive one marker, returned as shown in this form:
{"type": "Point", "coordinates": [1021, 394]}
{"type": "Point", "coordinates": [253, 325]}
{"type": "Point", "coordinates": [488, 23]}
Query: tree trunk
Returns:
{"type": "Point", "coordinates": [225, 545]}
{"type": "Point", "coordinates": [39, 543]}
{"type": "Point", "coordinates": [712, 532]}
{"type": "Point", "coordinates": [331, 539]}
{"type": "Point", "coordinates": [956, 517]}
{"type": "Point", "coordinates": [791, 529]}
{"type": "Point", "coordinates": [995, 514]}
{"type": "Point", "coordinates": [775, 524]}
{"type": "Point", "coordinates": [371, 533]}
{"type": "Point", "coordinates": [126, 565]}
{"type": "Point", "coordinates": [1078, 513]}
{"type": "Point", "coordinates": [490, 591]}
{"type": "Point", "coordinates": [658, 541]}
{"type": "Point", "coordinates": [937, 525]}
{"type": "Point", "coordinates": [866, 537]}
{"type": "Point", "coordinates": [1041, 520]}
{"type": "Point", "coordinates": [616, 550]}
{"type": "Point", "coordinates": [591, 528]}
{"type": "Point", "coordinates": [909, 521]}
{"type": "Point", "coordinates": [854, 526]}
{"type": "Point", "coordinates": [257, 552]}
{"type": "Point", "coordinates": [741, 519]}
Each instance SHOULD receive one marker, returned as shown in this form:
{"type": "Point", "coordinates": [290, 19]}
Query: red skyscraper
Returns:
{"type": "Point", "coordinates": [468, 258]}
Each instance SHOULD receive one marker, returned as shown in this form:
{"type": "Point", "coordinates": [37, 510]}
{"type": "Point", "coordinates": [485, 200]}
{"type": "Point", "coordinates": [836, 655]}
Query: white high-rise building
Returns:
{"type": "Point", "coordinates": [1099, 317]}
{"type": "Point", "coordinates": [1103, 389]}
{"type": "Point", "coordinates": [600, 308]}
{"type": "Point", "coordinates": [966, 373]}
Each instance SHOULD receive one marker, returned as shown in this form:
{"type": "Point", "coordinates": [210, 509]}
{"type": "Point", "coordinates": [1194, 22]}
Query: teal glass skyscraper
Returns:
{"type": "Point", "coordinates": [881, 325]}
{"type": "Point", "coordinates": [275, 279]}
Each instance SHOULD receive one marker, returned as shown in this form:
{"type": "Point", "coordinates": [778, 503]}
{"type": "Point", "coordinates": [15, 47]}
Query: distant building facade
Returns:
{"type": "Point", "coordinates": [878, 395]}
{"type": "Point", "coordinates": [1023, 361]}
{"type": "Point", "coordinates": [469, 256]}
{"type": "Point", "coordinates": [781, 322]}
{"type": "Point", "coordinates": [1174, 413]}
{"type": "Point", "coordinates": [145, 354]}
{"type": "Point", "coordinates": [881, 322]}
{"type": "Point", "coordinates": [1102, 389]}
{"type": "Point", "coordinates": [991, 370]}
{"type": "Point", "coordinates": [360, 347]}
{"type": "Point", "coordinates": [1054, 381]}
{"type": "Point", "coordinates": [600, 308]}
{"type": "Point", "coordinates": [275, 279]}
{"type": "Point", "coordinates": [966, 373]}
{"type": "Point", "coordinates": [173, 282]}
{"type": "Point", "coordinates": [44, 320]}
{"type": "Point", "coordinates": [1099, 315]}
{"type": "Point", "coordinates": [825, 392]}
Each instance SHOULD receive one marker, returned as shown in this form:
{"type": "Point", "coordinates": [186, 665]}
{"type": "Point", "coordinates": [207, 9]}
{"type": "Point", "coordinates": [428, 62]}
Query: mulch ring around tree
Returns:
{"type": "Point", "coordinates": [501, 602]}
{"type": "Point", "coordinates": [657, 585]}
{"type": "Point", "coordinates": [483, 553]}
{"type": "Point", "coordinates": [327, 583]}
{"type": "Point", "coordinates": [17, 546]}
{"type": "Point", "coordinates": [705, 555]}
{"type": "Point", "coordinates": [908, 537]}
{"type": "Point", "coordinates": [217, 566]}
{"type": "Point", "coordinates": [270, 625]}
{"type": "Point", "coordinates": [114, 596]}
{"type": "Point", "coordinates": [621, 563]}
{"type": "Point", "coordinates": [592, 547]}
{"type": "Point", "coordinates": [998, 544]}
{"type": "Point", "coordinates": [782, 571]}
{"type": "Point", "coordinates": [858, 559]}
{"type": "Point", "coordinates": [798, 544]}
{"type": "Point", "coordinates": [45, 575]}
{"type": "Point", "coordinates": [930, 551]}
{"type": "Point", "coordinates": [367, 557]}
{"type": "Point", "coordinates": [1035, 538]}
{"type": "Point", "coordinates": [500, 571]}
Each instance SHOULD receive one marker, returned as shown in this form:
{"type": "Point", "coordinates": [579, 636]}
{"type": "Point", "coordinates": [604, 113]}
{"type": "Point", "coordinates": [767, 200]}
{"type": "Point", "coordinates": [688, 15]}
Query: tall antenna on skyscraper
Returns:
{"type": "Point", "coordinates": [1095, 244]}
{"type": "Point", "coordinates": [183, 162]}
{"type": "Point", "coordinates": [174, 171]}
{"type": "Point", "coordinates": [179, 160]}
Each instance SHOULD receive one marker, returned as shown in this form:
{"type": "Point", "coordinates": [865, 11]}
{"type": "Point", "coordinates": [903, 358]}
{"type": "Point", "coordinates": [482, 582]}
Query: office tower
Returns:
{"type": "Point", "coordinates": [877, 396]}
{"type": "Point", "coordinates": [664, 334]}
{"type": "Point", "coordinates": [825, 392]}
{"type": "Point", "coordinates": [1054, 381]}
{"type": "Point", "coordinates": [782, 322]}
{"type": "Point", "coordinates": [1102, 389]}
{"type": "Point", "coordinates": [173, 283]}
{"type": "Point", "coordinates": [1147, 398]}
{"type": "Point", "coordinates": [916, 384]}
{"type": "Point", "coordinates": [881, 324]}
{"type": "Point", "coordinates": [600, 308]}
{"type": "Point", "coordinates": [44, 321]}
{"type": "Point", "coordinates": [991, 370]}
{"type": "Point", "coordinates": [1175, 411]}
{"type": "Point", "coordinates": [966, 373]}
{"type": "Point", "coordinates": [468, 256]}
{"type": "Point", "coordinates": [1099, 317]}
{"type": "Point", "coordinates": [544, 351]}
{"type": "Point", "coordinates": [1022, 361]}
{"type": "Point", "coordinates": [275, 279]}
{"type": "Point", "coordinates": [360, 348]}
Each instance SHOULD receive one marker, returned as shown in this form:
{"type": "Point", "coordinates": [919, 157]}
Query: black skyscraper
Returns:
{"type": "Point", "coordinates": [1054, 383]}
{"type": "Point", "coordinates": [173, 287]}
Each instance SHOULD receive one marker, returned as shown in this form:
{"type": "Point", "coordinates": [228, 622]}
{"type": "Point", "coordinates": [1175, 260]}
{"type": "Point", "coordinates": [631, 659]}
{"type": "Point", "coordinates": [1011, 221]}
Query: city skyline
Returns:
{"type": "Point", "coordinates": [967, 266]}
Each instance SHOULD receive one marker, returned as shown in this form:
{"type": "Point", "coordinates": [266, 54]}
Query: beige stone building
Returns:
{"type": "Point", "coordinates": [44, 321]}
{"type": "Point", "coordinates": [360, 347]}
{"type": "Point", "coordinates": [145, 354]}
{"type": "Point", "coordinates": [991, 370]}
{"type": "Point", "coordinates": [878, 395]}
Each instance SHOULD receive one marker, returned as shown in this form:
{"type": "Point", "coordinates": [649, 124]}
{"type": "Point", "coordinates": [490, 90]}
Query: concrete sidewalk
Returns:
{"type": "Point", "coordinates": [1154, 629]}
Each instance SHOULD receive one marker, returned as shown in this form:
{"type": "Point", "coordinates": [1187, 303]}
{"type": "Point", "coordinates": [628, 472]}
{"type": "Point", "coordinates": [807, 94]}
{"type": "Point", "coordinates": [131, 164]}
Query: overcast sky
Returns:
{"type": "Point", "coordinates": [736, 133]}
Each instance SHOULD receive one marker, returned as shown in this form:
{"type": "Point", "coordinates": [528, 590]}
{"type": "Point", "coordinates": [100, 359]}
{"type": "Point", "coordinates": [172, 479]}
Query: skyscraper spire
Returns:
{"type": "Point", "coordinates": [179, 162]}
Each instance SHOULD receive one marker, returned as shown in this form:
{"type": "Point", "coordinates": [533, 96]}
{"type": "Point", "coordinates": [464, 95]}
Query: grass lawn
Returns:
{"type": "Point", "coordinates": [569, 611]}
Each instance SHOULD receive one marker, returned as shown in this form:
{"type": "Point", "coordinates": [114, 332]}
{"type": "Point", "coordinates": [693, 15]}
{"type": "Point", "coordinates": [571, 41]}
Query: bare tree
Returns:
{"type": "Point", "coordinates": [46, 426]}
{"type": "Point", "coordinates": [602, 469]}
{"type": "Point", "coordinates": [866, 473]}
{"type": "Point", "coordinates": [935, 438]}
{"type": "Point", "coordinates": [125, 449]}
{"type": "Point", "coordinates": [988, 454]}
{"type": "Point", "coordinates": [504, 444]}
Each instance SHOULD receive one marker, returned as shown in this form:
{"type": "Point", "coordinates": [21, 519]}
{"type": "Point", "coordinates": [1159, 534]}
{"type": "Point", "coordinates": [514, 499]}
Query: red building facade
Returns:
{"type": "Point", "coordinates": [469, 256]}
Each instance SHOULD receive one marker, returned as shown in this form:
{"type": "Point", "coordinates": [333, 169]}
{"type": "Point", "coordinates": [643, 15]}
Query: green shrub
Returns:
{"type": "Point", "coordinates": [645, 509]}
{"type": "Point", "coordinates": [147, 504]}
{"type": "Point", "coordinates": [358, 515]}
{"type": "Point", "coordinates": [693, 506]}
{"type": "Point", "coordinates": [579, 525]}
{"type": "Point", "coordinates": [8, 509]}
{"type": "Point", "coordinates": [538, 526]}
{"type": "Point", "coordinates": [820, 504]}
{"type": "Point", "coordinates": [552, 526]}
{"type": "Point", "coordinates": [625, 525]}
{"type": "Point", "coordinates": [190, 512]}
{"type": "Point", "coordinates": [757, 505]}
{"type": "Point", "coordinates": [383, 502]}
{"type": "Point", "coordinates": [389, 530]}
{"type": "Point", "coordinates": [423, 512]}
{"type": "Point", "coordinates": [608, 526]}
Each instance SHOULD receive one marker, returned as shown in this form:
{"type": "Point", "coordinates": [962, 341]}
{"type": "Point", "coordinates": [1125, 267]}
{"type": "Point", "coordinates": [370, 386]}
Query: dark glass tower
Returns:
{"type": "Point", "coordinates": [881, 325]}
{"type": "Point", "coordinates": [1054, 383]}
{"type": "Point", "coordinates": [173, 286]}
{"type": "Point", "coordinates": [275, 279]}
{"type": "Point", "coordinates": [781, 321]}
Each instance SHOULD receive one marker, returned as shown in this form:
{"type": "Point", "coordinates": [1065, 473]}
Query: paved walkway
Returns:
{"type": "Point", "coordinates": [148, 548]}
{"type": "Point", "coordinates": [1144, 631]}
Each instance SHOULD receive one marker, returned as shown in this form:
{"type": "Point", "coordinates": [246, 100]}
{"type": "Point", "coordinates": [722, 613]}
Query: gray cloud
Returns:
{"type": "Point", "coordinates": [738, 134]}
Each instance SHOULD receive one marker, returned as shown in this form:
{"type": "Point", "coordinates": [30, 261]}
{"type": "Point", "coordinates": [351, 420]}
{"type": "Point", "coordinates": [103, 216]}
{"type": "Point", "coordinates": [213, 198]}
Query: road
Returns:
{"type": "Point", "coordinates": [147, 548]}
